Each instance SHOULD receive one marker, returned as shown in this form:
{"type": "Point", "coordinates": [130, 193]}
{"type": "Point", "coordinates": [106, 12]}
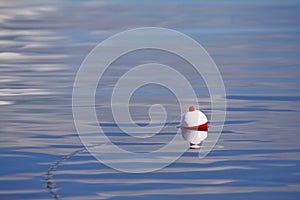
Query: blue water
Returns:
{"type": "Point", "coordinates": [256, 46]}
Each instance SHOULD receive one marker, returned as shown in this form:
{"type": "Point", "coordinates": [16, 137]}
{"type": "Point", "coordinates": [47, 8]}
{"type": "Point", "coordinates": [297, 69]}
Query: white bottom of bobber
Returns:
{"type": "Point", "coordinates": [194, 146]}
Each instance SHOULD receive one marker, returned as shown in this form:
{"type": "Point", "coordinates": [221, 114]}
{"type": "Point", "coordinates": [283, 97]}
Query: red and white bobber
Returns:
{"type": "Point", "coordinates": [194, 126]}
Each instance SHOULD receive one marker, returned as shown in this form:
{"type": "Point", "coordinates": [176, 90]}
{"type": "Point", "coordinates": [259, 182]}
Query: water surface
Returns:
{"type": "Point", "coordinates": [254, 44]}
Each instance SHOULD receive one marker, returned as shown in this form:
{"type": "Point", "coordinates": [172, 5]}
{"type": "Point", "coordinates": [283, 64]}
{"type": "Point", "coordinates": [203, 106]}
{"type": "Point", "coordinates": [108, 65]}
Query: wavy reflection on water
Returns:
{"type": "Point", "coordinates": [256, 47]}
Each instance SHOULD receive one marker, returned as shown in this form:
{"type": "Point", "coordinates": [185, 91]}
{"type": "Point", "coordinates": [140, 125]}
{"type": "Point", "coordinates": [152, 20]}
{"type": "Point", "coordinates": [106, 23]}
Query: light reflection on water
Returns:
{"type": "Point", "coordinates": [256, 47]}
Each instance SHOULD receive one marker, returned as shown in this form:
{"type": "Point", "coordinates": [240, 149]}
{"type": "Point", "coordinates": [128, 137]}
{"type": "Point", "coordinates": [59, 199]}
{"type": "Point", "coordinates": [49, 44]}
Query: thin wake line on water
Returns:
{"type": "Point", "coordinates": [50, 183]}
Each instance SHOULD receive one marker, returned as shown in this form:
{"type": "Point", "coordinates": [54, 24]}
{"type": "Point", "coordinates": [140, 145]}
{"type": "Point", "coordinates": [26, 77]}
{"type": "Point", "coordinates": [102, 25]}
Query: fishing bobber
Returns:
{"type": "Point", "coordinates": [194, 126]}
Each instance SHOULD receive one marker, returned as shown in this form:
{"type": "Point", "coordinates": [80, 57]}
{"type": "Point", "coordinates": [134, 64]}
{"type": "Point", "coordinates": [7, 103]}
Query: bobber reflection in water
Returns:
{"type": "Point", "coordinates": [194, 126]}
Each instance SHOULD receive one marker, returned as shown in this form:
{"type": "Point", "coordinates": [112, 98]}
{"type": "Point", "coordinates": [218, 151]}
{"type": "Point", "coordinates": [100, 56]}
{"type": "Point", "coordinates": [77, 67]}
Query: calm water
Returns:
{"type": "Point", "coordinates": [256, 47]}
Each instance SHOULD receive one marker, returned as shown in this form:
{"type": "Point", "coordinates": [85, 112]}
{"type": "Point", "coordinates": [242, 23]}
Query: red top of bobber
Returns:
{"type": "Point", "coordinates": [191, 108]}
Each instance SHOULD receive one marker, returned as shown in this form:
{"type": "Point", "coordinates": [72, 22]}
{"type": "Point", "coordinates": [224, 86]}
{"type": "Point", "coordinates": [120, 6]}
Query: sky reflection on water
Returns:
{"type": "Point", "coordinates": [256, 47]}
